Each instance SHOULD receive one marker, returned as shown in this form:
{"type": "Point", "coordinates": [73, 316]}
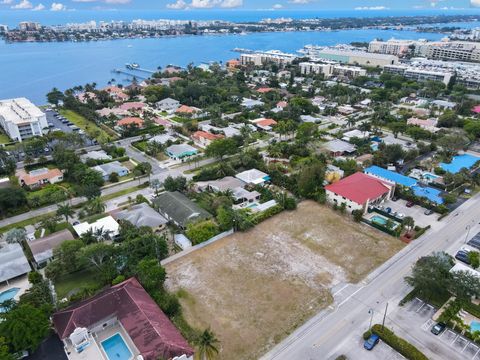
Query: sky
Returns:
{"type": "Point", "coordinates": [192, 5]}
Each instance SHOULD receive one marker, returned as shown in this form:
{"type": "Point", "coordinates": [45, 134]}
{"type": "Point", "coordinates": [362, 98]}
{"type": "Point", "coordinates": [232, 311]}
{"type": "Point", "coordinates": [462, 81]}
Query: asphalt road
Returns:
{"type": "Point", "coordinates": [331, 331]}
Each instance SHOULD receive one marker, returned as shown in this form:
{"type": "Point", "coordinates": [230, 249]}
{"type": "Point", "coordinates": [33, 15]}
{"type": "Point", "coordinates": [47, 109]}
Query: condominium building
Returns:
{"type": "Point", "coordinates": [419, 74]}
{"type": "Point", "coordinates": [20, 119]}
{"type": "Point", "coordinates": [29, 26]}
{"type": "Point", "coordinates": [392, 47]}
{"type": "Point", "coordinates": [331, 69]}
{"type": "Point", "coordinates": [273, 56]}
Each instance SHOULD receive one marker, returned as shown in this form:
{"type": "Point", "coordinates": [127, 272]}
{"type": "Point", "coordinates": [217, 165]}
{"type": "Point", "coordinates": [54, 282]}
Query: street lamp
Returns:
{"type": "Point", "coordinates": [468, 231]}
{"type": "Point", "coordinates": [371, 312]}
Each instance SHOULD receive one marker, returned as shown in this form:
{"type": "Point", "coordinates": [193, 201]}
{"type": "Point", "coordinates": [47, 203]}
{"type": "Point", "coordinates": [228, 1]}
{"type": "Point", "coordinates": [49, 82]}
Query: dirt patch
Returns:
{"type": "Point", "coordinates": [255, 288]}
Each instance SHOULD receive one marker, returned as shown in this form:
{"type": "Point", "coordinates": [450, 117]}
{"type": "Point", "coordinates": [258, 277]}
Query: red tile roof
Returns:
{"type": "Point", "coordinates": [265, 122]}
{"type": "Point", "coordinates": [264, 90]}
{"type": "Point", "coordinates": [359, 188]}
{"type": "Point", "coordinates": [206, 135]}
{"type": "Point", "coordinates": [132, 105]}
{"type": "Point", "coordinates": [149, 328]}
{"type": "Point", "coordinates": [187, 109]}
{"type": "Point", "coordinates": [130, 120]}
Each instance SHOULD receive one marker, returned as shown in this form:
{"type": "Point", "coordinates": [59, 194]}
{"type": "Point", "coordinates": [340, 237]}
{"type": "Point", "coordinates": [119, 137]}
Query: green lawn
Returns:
{"type": "Point", "coordinates": [181, 120]}
{"type": "Point", "coordinates": [21, 224]}
{"type": "Point", "coordinates": [76, 281]}
{"type": "Point", "coordinates": [122, 192]}
{"type": "Point", "coordinates": [4, 139]}
{"type": "Point", "coordinates": [90, 128]}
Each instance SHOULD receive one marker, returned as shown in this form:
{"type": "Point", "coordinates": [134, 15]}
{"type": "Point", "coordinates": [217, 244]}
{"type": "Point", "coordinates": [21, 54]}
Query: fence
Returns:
{"type": "Point", "coordinates": [196, 247]}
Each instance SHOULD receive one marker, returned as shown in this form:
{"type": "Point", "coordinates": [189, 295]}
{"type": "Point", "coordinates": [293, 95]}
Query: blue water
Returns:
{"type": "Point", "coordinates": [116, 349]}
{"type": "Point", "coordinates": [35, 68]}
{"type": "Point", "coordinates": [429, 193]}
{"type": "Point", "coordinates": [475, 326]}
{"type": "Point", "coordinates": [429, 176]}
{"type": "Point", "coordinates": [379, 220]}
{"type": "Point", "coordinates": [7, 295]}
{"type": "Point", "coordinates": [459, 162]}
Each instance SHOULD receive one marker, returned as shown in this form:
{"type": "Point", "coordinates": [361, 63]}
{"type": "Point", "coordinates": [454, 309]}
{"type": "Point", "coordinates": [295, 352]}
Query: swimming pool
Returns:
{"type": "Point", "coordinates": [7, 295]}
{"type": "Point", "coordinates": [475, 326]}
{"type": "Point", "coordinates": [379, 220]}
{"type": "Point", "coordinates": [429, 176]}
{"type": "Point", "coordinates": [459, 162]}
{"type": "Point", "coordinates": [116, 348]}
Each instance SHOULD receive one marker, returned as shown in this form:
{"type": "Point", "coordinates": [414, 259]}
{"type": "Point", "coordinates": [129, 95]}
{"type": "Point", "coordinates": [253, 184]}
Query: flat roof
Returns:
{"type": "Point", "coordinates": [19, 110]}
{"type": "Point", "coordinates": [390, 176]}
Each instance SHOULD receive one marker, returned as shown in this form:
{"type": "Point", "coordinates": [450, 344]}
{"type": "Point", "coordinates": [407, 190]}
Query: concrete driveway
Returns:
{"type": "Point", "coordinates": [416, 212]}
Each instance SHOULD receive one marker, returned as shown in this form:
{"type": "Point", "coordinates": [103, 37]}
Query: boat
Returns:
{"type": "Point", "coordinates": [132, 66]}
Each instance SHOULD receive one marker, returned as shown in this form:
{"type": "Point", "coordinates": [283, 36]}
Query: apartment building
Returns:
{"type": "Point", "coordinates": [419, 74]}
{"type": "Point", "coordinates": [272, 56]}
{"type": "Point", "coordinates": [392, 47]}
{"type": "Point", "coordinates": [20, 119]}
{"type": "Point", "coordinates": [350, 56]}
{"type": "Point", "coordinates": [331, 69]}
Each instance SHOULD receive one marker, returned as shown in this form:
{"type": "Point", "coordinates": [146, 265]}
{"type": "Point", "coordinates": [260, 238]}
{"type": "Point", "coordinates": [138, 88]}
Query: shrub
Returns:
{"type": "Point", "coordinates": [118, 280]}
{"type": "Point", "coordinates": [201, 231]}
{"type": "Point", "coordinates": [264, 215]}
{"type": "Point", "coordinates": [402, 346]}
{"type": "Point", "coordinates": [357, 215]}
{"type": "Point", "coordinates": [113, 177]}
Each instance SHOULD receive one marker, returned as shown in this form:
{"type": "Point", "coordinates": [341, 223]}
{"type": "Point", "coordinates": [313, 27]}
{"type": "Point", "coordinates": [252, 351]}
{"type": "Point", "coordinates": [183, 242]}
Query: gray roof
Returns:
{"type": "Point", "coordinates": [42, 249]}
{"type": "Point", "coordinates": [340, 146]}
{"type": "Point", "coordinates": [179, 208]}
{"type": "Point", "coordinates": [161, 138]}
{"type": "Point", "coordinates": [111, 167]}
{"type": "Point", "coordinates": [224, 184]}
{"type": "Point", "coordinates": [141, 215]}
{"type": "Point", "coordinates": [96, 155]}
{"type": "Point", "coordinates": [180, 149]}
{"type": "Point", "coordinates": [13, 262]}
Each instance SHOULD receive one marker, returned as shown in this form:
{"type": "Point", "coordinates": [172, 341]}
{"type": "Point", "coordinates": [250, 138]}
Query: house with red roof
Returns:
{"type": "Point", "coordinates": [116, 93]}
{"type": "Point", "coordinates": [264, 90]}
{"type": "Point", "coordinates": [129, 121]}
{"type": "Point", "coordinates": [39, 177]}
{"type": "Point", "coordinates": [264, 124]}
{"type": "Point", "coordinates": [188, 111]}
{"type": "Point", "coordinates": [204, 138]}
{"type": "Point", "coordinates": [132, 106]}
{"type": "Point", "coordinates": [122, 319]}
{"type": "Point", "coordinates": [359, 191]}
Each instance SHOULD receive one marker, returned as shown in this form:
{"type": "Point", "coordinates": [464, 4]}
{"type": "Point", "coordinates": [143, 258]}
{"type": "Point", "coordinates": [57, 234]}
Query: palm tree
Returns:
{"type": "Point", "coordinates": [206, 346]}
{"type": "Point", "coordinates": [65, 210]}
{"type": "Point", "coordinates": [95, 206]}
{"type": "Point", "coordinates": [408, 223]}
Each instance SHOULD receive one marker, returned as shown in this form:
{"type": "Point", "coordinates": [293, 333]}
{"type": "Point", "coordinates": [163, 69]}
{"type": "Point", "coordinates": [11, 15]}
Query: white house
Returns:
{"type": "Point", "coordinates": [253, 177]}
{"type": "Point", "coordinates": [169, 105]}
{"type": "Point", "coordinates": [107, 224]}
{"type": "Point", "coordinates": [20, 119]}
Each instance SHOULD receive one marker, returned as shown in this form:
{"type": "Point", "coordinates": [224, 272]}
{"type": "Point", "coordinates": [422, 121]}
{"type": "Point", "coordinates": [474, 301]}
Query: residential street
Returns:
{"type": "Point", "coordinates": [336, 330]}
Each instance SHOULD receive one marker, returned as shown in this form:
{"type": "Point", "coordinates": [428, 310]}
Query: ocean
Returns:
{"type": "Point", "coordinates": [32, 69]}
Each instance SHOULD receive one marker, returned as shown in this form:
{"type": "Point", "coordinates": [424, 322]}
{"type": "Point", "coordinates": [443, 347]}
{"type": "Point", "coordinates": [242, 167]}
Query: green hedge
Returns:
{"type": "Point", "coordinates": [402, 346]}
{"type": "Point", "coordinates": [264, 215]}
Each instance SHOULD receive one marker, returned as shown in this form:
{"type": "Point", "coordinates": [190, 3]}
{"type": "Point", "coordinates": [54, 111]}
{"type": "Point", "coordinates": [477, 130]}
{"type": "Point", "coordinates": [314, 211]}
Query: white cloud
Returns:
{"type": "Point", "coordinates": [58, 7]}
{"type": "Point", "coordinates": [117, 1]}
{"type": "Point", "coordinates": [39, 7]}
{"type": "Point", "coordinates": [6, 2]}
{"type": "Point", "coordinates": [24, 4]}
{"type": "Point", "coordinates": [202, 4]}
{"type": "Point", "coordinates": [299, 1]}
{"type": "Point", "coordinates": [475, 3]}
{"type": "Point", "coordinates": [180, 4]}
{"type": "Point", "coordinates": [277, 6]}
{"type": "Point", "coordinates": [371, 8]}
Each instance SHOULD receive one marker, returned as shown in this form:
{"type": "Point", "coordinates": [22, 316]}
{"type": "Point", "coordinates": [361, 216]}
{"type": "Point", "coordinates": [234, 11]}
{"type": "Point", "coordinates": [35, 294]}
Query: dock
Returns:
{"type": "Point", "coordinates": [123, 72]}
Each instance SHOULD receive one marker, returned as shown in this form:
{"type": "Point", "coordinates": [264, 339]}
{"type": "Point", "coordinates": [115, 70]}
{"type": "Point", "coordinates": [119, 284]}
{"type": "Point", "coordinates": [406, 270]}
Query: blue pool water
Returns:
{"type": "Point", "coordinates": [8, 295]}
{"type": "Point", "coordinates": [116, 349]}
{"type": "Point", "coordinates": [459, 162]}
{"type": "Point", "coordinates": [429, 176]}
{"type": "Point", "coordinates": [379, 220]}
{"type": "Point", "coordinates": [475, 326]}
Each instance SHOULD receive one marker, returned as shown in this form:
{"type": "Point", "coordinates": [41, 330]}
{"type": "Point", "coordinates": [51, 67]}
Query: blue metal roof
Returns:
{"type": "Point", "coordinates": [429, 193]}
{"type": "Point", "coordinates": [459, 162]}
{"type": "Point", "coordinates": [390, 176]}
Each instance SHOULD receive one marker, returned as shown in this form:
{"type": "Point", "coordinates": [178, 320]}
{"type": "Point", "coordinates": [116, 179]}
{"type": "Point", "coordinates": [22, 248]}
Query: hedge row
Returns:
{"type": "Point", "coordinates": [264, 215]}
{"type": "Point", "coordinates": [402, 346]}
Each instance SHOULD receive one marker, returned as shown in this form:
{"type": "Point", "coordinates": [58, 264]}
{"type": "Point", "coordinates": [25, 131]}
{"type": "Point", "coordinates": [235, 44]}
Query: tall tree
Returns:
{"type": "Point", "coordinates": [207, 346]}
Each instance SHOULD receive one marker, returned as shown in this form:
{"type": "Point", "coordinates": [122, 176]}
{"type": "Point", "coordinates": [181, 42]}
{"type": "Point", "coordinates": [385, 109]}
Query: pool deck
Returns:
{"type": "Point", "coordinates": [95, 351]}
{"type": "Point", "coordinates": [20, 282]}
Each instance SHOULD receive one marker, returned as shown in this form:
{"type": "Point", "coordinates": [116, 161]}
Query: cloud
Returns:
{"type": "Point", "coordinates": [203, 4]}
{"type": "Point", "coordinates": [180, 4]}
{"type": "Point", "coordinates": [299, 1]}
{"type": "Point", "coordinates": [6, 2]}
{"type": "Point", "coordinates": [277, 6]}
{"type": "Point", "coordinates": [371, 8]}
{"type": "Point", "coordinates": [58, 7]}
{"type": "Point", "coordinates": [24, 4]}
{"type": "Point", "coordinates": [39, 7]}
{"type": "Point", "coordinates": [475, 3]}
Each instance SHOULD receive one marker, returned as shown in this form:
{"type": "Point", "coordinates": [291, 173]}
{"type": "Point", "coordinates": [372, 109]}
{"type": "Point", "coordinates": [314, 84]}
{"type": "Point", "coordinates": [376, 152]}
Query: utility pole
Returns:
{"type": "Point", "coordinates": [370, 311]}
{"type": "Point", "coordinates": [384, 316]}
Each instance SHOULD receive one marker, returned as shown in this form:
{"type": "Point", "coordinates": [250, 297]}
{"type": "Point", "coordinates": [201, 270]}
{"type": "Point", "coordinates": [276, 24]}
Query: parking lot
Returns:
{"type": "Point", "coordinates": [57, 123]}
{"type": "Point", "coordinates": [416, 316]}
{"type": "Point", "coordinates": [381, 352]}
{"type": "Point", "coordinates": [416, 212]}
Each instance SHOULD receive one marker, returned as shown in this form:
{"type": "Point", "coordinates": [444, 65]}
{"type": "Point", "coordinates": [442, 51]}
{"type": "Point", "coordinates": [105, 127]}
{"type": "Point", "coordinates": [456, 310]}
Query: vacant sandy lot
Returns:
{"type": "Point", "coordinates": [255, 288]}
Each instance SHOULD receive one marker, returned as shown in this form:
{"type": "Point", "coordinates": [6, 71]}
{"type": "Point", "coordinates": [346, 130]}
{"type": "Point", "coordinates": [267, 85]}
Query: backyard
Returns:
{"type": "Point", "coordinates": [256, 287]}
{"type": "Point", "coordinates": [90, 128]}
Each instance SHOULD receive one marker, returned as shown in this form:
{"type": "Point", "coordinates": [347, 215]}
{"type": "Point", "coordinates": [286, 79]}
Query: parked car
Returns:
{"type": "Point", "coordinates": [462, 256]}
{"type": "Point", "coordinates": [400, 215]}
{"type": "Point", "coordinates": [395, 198]}
{"type": "Point", "coordinates": [388, 210]}
{"type": "Point", "coordinates": [428, 212]}
{"type": "Point", "coordinates": [410, 204]}
{"type": "Point", "coordinates": [370, 343]}
{"type": "Point", "coordinates": [438, 328]}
